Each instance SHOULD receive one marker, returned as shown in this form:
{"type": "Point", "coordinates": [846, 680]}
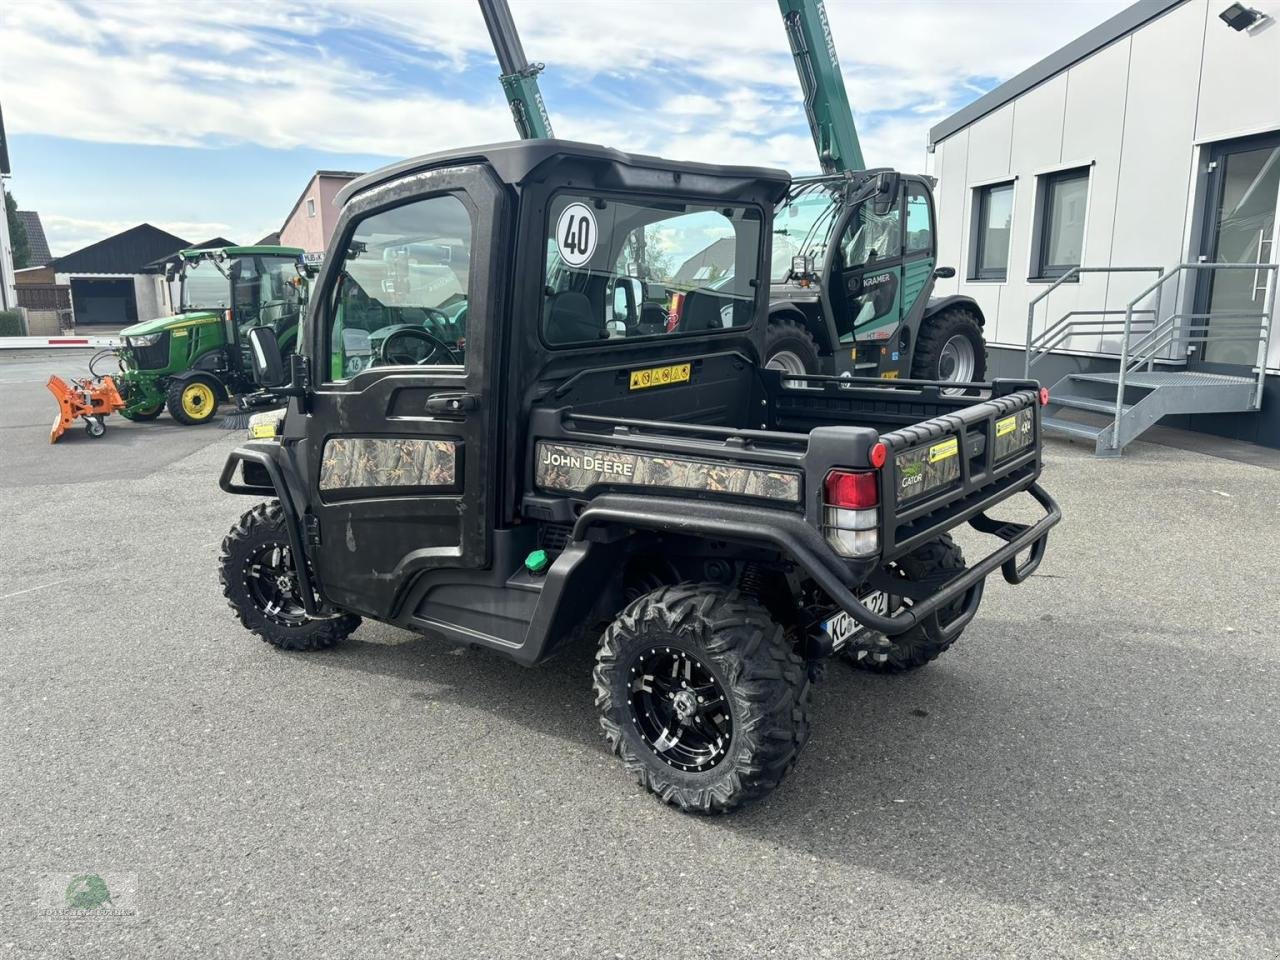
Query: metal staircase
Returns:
{"type": "Point", "coordinates": [1151, 381]}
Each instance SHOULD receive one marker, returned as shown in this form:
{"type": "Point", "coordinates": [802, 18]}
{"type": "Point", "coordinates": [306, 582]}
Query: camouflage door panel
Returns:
{"type": "Point", "coordinates": [388, 462]}
{"type": "Point", "coordinates": [575, 469]}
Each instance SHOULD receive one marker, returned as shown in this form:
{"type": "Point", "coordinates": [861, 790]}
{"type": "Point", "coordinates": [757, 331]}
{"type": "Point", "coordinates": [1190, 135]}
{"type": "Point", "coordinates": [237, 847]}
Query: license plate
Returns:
{"type": "Point", "coordinates": [842, 628]}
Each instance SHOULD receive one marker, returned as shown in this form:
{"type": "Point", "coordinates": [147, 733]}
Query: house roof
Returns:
{"type": "Point", "coordinates": [270, 240]}
{"type": "Point", "coordinates": [174, 256]}
{"type": "Point", "coordinates": [127, 252]}
{"type": "Point", "coordinates": [36, 239]}
{"type": "Point", "coordinates": [1103, 35]}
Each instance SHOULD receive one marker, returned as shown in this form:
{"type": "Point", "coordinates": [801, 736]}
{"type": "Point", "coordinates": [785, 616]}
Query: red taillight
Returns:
{"type": "Point", "coordinates": [879, 454]}
{"type": "Point", "coordinates": [1044, 396]}
{"type": "Point", "coordinates": [673, 314]}
{"type": "Point", "coordinates": [852, 491]}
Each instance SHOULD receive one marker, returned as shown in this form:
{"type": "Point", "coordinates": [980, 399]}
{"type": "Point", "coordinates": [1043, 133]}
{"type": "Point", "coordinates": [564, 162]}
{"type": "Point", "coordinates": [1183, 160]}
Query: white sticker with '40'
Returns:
{"type": "Point", "coordinates": [576, 234]}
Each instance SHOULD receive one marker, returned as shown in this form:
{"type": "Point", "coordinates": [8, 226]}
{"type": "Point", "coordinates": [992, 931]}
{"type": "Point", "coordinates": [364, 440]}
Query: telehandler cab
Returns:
{"type": "Point", "coordinates": [557, 463]}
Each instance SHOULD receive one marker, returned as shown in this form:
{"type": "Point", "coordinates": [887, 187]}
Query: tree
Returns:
{"type": "Point", "coordinates": [18, 240]}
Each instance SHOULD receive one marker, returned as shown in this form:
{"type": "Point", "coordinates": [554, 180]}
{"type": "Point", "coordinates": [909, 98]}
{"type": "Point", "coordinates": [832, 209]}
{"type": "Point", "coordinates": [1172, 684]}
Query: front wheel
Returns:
{"type": "Point", "coordinates": [790, 348]}
{"type": "Point", "coordinates": [259, 580]}
{"type": "Point", "coordinates": [142, 414]}
{"type": "Point", "coordinates": [950, 348]}
{"type": "Point", "coordinates": [701, 696]}
{"type": "Point", "coordinates": [194, 400]}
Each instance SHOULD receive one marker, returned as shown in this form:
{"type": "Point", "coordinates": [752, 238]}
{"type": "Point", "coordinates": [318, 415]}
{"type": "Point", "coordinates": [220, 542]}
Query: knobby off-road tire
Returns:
{"type": "Point", "coordinates": [787, 345]}
{"type": "Point", "coordinates": [723, 645]}
{"type": "Point", "coordinates": [193, 400]}
{"type": "Point", "coordinates": [143, 415]}
{"type": "Point", "coordinates": [919, 645]}
{"type": "Point", "coordinates": [936, 332]}
{"type": "Point", "coordinates": [254, 552]}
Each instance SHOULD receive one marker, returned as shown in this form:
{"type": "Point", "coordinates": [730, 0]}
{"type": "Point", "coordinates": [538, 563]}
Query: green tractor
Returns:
{"type": "Point", "coordinates": [196, 359]}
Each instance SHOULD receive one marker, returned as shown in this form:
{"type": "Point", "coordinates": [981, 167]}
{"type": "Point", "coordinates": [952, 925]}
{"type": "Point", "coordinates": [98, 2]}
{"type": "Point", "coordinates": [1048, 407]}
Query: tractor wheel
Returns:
{"type": "Point", "coordinates": [701, 696]}
{"type": "Point", "coordinates": [143, 414]}
{"type": "Point", "coordinates": [789, 347]}
{"type": "Point", "coordinates": [950, 347]}
{"type": "Point", "coordinates": [259, 582]}
{"type": "Point", "coordinates": [941, 558]}
{"type": "Point", "coordinates": [193, 400]}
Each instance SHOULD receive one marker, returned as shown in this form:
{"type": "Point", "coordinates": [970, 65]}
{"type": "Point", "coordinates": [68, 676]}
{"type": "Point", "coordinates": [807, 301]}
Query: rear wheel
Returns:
{"type": "Point", "coordinates": [193, 400]}
{"type": "Point", "coordinates": [951, 348]}
{"type": "Point", "coordinates": [789, 347]}
{"type": "Point", "coordinates": [701, 696]}
{"type": "Point", "coordinates": [940, 559]}
{"type": "Point", "coordinates": [259, 579]}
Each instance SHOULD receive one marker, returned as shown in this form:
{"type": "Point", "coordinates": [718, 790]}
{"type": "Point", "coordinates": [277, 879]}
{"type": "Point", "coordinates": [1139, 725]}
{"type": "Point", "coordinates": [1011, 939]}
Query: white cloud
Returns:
{"type": "Point", "coordinates": [69, 233]}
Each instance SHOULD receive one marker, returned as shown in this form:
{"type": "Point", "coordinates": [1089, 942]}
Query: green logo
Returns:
{"type": "Point", "coordinates": [913, 469]}
{"type": "Point", "coordinates": [87, 892]}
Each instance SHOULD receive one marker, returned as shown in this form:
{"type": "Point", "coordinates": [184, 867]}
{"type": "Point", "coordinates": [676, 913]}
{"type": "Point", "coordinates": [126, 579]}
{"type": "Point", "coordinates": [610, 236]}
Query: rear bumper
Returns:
{"type": "Point", "coordinates": [791, 535]}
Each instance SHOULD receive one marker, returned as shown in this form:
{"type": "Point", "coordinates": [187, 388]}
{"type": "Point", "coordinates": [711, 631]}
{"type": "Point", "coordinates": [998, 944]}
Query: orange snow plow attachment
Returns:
{"type": "Point", "coordinates": [91, 398]}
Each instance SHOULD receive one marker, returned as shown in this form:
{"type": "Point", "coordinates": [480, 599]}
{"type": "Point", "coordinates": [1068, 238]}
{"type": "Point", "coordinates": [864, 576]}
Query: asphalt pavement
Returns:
{"type": "Point", "coordinates": [1093, 771]}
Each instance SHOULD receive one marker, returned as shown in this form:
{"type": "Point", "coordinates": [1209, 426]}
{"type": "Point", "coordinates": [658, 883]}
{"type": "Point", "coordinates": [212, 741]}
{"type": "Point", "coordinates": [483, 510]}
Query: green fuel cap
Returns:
{"type": "Point", "coordinates": [537, 561]}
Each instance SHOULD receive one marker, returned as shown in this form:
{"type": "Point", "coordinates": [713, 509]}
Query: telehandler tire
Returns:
{"type": "Point", "coordinates": [950, 346]}
{"type": "Point", "coordinates": [193, 400]}
{"type": "Point", "coordinates": [257, 576]}
{"type": "Point", "coordinates": [701, 696]}
{"type": "Point", "coordinates": [789, 347]}
{"type": "Point", "coordinates": [919, 645]}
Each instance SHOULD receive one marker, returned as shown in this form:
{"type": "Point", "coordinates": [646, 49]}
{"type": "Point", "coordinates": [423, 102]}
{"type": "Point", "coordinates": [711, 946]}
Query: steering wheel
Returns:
{"type": "Point", "coordinates": [401, 355]}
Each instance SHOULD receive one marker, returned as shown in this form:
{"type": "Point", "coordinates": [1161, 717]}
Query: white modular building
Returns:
{"type": "Point", "coordinates": [1084, 203]}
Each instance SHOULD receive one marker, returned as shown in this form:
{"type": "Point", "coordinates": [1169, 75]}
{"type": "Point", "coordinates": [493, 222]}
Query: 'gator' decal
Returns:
{"type": "Point", "coordinates": [388, 462]}
{"type": "Point", "coordinates": [575, 469]}
{"type": "Point", "coordinates": [922, 470]}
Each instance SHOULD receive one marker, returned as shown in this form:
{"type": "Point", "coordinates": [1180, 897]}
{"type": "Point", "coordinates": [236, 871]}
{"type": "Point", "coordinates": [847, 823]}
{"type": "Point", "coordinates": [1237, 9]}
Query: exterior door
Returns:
{"type": "Point", "coordinates": [1240, 227]}
{"type": "Point", "coordinates": [870, 258]}
{"type": "Point", "coordinates": [400, 450]}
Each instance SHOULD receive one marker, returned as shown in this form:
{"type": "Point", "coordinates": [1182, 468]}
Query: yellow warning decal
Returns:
{"type": "Point", "coordinates": [1007, 425]}
{"type": "Point", "coordinates": [660, 376]}
{"type": "Point", "coordinates": [943, 450]}
{"type": "Point", "coordinates": [262, 431]}
{"type": "Point", "coordinates": [889, 375]}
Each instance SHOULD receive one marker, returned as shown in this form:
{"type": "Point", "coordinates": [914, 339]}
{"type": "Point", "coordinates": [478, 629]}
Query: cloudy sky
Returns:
{"type": "Point", "coordinates": [207, 118]}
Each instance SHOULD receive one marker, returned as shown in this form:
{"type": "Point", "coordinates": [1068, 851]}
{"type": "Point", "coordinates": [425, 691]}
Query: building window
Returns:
{"type": "Point", "coordinates": [311, 207]}
{"type": "Point", "coordinates": [1060, 243]}
{"type": "Point", "coordinates": [992, 221]}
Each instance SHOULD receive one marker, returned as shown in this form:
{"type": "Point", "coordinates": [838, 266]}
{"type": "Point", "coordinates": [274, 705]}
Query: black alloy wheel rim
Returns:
{"type": "Point", "coordinates": [679, 709]}
{"type": "Point", "coordinates": [273, 586]}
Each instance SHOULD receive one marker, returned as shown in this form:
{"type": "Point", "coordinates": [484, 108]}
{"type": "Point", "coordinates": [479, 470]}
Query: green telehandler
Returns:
{"type": "Point", "coordinates": [194, 360]}
{"type": "Point", "coordinates": [854, 254]}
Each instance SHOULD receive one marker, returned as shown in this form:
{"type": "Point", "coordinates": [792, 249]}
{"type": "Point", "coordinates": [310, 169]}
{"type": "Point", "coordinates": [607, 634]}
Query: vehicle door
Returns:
{"type": "Point", "coordinates": [868, 262]}
{"type": "Point", "coordinates": [403, 339]}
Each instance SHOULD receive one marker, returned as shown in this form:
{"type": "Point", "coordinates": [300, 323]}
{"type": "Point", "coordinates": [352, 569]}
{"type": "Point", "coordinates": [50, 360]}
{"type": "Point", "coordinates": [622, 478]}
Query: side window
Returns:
{"type": "Point", "coordinates": [618, 269]}
{"type": "Point", "coordinates": [401, 294]}
{"type": "Point", "coordinates": [919, 220]}
{"type": "Point", "coordinates": [870, 236]}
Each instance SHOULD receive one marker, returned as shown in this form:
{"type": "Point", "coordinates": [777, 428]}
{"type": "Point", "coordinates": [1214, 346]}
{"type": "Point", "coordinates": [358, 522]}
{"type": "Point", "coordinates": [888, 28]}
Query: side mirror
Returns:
{"type": "Point", "coordinates": [268, 363]}
{"type": "Point", "coordinates": [944, 273]}
{"type": "Point", "coordinates": [886, 197]}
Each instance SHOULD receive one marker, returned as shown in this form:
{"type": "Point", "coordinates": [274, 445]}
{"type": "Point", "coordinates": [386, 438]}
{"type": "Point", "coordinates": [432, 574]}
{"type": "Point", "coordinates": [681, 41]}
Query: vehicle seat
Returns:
{"type": "Point", "coordinates": [701, 312]}
{"type": "Point", "coordinates": [570, 318]}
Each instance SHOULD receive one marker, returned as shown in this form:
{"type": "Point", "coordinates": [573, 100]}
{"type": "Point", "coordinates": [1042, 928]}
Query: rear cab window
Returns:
{"type": "Point", "coordinates": [622, 269]}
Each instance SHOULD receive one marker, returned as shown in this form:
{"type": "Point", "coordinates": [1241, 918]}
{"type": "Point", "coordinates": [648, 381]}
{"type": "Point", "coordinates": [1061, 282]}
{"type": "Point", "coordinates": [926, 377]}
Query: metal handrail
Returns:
{"type": "Point", "coordinates": [1177, 333]}
{"type": "Point", "coordinates": [1066, 322]}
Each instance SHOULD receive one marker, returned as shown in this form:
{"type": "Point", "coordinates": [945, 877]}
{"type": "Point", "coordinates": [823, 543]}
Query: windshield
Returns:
{"type": "Point", "coordinates": [802, 226]}
{"type": "Point", "coordinates": [204, 286]}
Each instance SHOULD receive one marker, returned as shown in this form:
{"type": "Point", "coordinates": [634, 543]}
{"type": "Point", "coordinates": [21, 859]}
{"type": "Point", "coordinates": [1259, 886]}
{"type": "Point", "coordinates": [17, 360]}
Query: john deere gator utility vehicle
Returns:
{"type": "Point", "coordinates": [854, 251]}
{"type": "Point", "coordinates": [194, 360]}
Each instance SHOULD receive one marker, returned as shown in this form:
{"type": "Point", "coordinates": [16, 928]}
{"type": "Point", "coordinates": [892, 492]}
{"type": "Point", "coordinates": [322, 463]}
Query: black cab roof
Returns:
{"type": "Point", "coordinates": [520, 161]}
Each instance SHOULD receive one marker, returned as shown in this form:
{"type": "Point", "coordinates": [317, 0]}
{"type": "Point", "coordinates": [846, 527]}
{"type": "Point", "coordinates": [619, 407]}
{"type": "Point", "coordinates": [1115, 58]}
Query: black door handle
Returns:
{"type": "Point", "coordinates": [452, 403]}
